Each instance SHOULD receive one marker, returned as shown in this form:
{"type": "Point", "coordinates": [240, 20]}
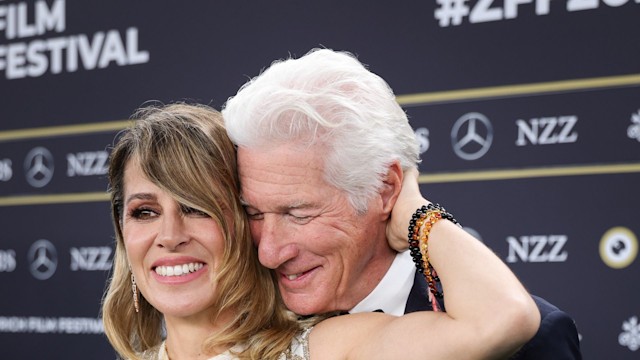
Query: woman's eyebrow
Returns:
{"type": "Point", "coordinates": [140, 196]}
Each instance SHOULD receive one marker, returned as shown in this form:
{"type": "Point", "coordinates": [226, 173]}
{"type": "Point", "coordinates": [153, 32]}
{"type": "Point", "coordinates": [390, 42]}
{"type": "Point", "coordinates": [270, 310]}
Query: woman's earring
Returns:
{"type": "Point", "coordinates": [134, 288]}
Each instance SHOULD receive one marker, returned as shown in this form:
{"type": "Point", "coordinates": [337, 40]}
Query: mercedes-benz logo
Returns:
{"type": "Point", "coordinates": [471, 136]}
{"type": "Point", "coordinates": [38, 167]}
{"type": "Point", "coordinates": [43, 259]}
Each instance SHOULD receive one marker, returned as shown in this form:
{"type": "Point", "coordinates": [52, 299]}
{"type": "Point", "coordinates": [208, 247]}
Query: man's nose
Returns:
{"type": "Point", "coordinates": [274, 241]}
{"type": "Point", "coordinates": [173, 231]}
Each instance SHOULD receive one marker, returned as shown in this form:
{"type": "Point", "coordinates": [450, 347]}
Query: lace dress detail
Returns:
{"type": "Point", "coordinates": [162, 353]}
{"type": "Point", "coordinates": [298, 350]}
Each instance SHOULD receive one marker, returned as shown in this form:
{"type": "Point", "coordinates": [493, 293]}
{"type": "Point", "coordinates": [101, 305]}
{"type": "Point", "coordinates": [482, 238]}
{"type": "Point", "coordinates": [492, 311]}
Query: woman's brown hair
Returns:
{"type": "Point", "coordinates": [184, 150]}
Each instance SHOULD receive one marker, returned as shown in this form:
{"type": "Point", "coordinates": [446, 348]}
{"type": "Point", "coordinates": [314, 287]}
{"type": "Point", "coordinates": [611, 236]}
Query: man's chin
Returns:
{"type": "Point", "coordinates": [304, 304]}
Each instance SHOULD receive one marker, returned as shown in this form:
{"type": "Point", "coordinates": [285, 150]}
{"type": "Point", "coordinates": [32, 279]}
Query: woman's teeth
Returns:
{"type": "Point", "coordinates": [178, 270]}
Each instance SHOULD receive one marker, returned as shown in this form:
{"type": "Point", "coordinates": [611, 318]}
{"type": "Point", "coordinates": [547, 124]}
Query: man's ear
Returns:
{"type": "Point", "coordinates": [391, 186]}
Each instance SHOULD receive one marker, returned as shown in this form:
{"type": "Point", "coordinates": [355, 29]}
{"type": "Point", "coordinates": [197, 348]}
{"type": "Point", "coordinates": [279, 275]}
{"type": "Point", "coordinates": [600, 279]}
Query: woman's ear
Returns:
{"type": "Point", "coordinates": [391, 186]}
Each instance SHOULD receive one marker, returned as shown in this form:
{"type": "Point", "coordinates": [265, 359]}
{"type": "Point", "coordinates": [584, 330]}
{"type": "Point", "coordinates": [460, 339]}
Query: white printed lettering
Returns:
{"type": "Point", "coordinates": [548, 125]}
{"type": "Point", "coordinates": [7, 260]}
{"type": "Point", "coordinates": [90, 258]}
{"type": "Point", "coordinates": [15, 19]}
{"type": "Point", "coordinates": [535, 248]}
{"type": "Point", "coordinates": [422, 135]}
{"type": "Point", "coordinates": [567, 123]}
{"type": "Point", "coordinates": [482, 13]}
{"type": "Point", "coordinates": [113, 50]}
{"type": "Point", "coordinates": [511, 8]}
{"type": "Point", "coordinates": [547, 130]}
{"type": "Point", "coordinates": [56, 55]}
{"type": "Point", "coordinates": [578, 5]}
{"type": "Point", "coordinates": [134, 55]}
{"type": "Point", "coordinates": [6, 172]}
{"type": "Point", "coordinates": [87, 163]}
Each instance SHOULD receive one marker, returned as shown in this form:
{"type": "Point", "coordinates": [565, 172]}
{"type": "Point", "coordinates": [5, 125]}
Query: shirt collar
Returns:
{"type": "Point", "coordinates": [393, 290]}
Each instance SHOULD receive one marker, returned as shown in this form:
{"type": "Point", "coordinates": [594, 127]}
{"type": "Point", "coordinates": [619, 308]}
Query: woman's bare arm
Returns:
{"type": "Point", "coordinates": [489, 313]}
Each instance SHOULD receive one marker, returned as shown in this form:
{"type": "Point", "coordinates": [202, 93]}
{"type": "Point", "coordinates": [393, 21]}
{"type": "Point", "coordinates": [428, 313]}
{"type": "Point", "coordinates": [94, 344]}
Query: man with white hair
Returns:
{"type": "Point", "coordinates": [322, 149]}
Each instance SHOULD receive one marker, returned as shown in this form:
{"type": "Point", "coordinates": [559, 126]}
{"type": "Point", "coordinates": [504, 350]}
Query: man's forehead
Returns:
{"type": "Point", "coordinates": [281, 178]}
{"type": "Point", "coordinates": [307, 155]}
{"type": "Point", "coordinates": [279, 167]}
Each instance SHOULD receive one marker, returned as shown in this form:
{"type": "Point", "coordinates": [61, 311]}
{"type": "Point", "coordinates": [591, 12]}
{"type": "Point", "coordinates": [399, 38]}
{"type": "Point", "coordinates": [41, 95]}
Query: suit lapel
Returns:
{"type": "Point", "coordinates": [418, 298]}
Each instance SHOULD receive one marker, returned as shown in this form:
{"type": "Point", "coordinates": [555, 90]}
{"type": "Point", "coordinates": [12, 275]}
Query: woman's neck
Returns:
{"type": "Point", "coordinates": [185, 336]}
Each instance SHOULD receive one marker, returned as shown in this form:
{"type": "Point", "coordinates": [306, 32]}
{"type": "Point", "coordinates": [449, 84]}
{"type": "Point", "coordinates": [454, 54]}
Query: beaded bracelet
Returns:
{"type": "Point", "coordinates": [419, 228]}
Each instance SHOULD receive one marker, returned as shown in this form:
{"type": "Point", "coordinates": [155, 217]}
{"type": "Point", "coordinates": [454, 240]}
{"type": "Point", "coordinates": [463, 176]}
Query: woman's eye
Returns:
{"type": "Point", "coordinates": [142, 213]}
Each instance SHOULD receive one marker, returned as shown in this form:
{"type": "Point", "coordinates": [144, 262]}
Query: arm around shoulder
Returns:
{"type": "Point", "coordinates": [489, 312]}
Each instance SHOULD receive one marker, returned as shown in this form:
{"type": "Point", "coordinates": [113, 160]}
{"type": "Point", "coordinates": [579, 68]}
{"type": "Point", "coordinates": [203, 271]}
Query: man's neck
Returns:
{"type": "Point", "coordinates": [392, 291]}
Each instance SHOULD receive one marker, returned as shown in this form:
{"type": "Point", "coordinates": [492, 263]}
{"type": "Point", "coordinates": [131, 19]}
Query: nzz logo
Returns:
{"type": "Point", "coordinates": [91, 258]}
{"type": "Point", "coordinates": [537, 248]}
{"type": "Point", "coordinates": [547, 130]}
{"type": "Point", "coordinates": [87, 163]}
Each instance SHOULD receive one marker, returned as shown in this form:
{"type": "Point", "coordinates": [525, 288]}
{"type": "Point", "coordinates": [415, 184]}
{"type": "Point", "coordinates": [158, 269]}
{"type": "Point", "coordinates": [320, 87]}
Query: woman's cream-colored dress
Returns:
{"type": "Point", "coordinates": [298, 350]}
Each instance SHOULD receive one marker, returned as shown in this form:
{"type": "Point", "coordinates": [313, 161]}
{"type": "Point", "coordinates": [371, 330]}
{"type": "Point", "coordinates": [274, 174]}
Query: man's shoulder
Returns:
{"type": "Point", "coordinates": [556, 338]}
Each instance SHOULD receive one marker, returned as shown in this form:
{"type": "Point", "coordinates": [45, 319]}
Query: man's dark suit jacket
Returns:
{"type": "Point", "coordinates": [556, 339]}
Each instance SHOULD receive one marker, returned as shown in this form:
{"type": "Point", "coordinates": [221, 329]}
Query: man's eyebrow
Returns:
{"type": "Point", "coordinates": [140, 196]}
{"type": "Point", "coordinates": [300, 204]}
{"type": "Point", "coordinates": [282, 208]}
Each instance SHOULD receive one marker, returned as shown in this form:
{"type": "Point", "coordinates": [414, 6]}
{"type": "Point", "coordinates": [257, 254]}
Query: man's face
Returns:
{"type": "Point", "coordinates": [326, 256]}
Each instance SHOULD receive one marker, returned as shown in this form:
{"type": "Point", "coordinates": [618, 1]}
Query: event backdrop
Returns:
{"type": "Point", "coordinates": [527, 111]}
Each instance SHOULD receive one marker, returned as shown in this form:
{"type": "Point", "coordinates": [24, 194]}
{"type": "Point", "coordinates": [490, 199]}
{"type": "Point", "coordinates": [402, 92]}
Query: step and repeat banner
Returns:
{"type": "Point", "coordinates": [527, 112]}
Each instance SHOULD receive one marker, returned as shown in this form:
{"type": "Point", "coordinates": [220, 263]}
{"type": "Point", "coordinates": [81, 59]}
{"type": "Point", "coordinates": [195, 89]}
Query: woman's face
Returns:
{"type": "Point", "coordinates": [173, 250]}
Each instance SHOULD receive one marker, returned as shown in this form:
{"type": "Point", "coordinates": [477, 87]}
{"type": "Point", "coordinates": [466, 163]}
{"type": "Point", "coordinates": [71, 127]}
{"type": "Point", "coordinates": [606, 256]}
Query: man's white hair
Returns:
{"type": "Point", "coordinates": [327, 98]}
